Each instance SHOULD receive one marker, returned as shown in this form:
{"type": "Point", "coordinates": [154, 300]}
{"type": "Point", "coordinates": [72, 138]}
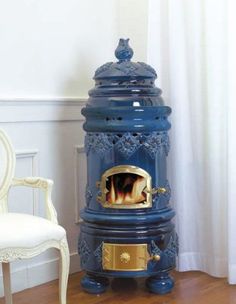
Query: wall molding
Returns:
{"type": "Point", "coordinates": [33, 154]}
{"type": "Point", "coordinates": [41, 109]}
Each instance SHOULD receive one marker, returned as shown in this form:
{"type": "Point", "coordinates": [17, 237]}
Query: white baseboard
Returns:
{"type": "Point", "coordinates": [37, 274]}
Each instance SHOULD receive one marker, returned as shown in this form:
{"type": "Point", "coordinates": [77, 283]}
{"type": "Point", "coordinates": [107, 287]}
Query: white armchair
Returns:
{"type": "Point", "coordinates": [24, 236]}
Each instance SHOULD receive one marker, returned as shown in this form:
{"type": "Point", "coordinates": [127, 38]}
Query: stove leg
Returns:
{"type": "Point", "coordinates": [94, 284]}
{"type": "Point", "coordinates": [160, 284]}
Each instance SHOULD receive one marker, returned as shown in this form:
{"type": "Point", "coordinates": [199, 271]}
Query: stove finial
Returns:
{"type": "Point", "coordinates": [123, 51]}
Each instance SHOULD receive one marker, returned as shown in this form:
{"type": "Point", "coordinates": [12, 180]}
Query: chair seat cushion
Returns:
{"type": "Point", "coordinates": [19, 230]}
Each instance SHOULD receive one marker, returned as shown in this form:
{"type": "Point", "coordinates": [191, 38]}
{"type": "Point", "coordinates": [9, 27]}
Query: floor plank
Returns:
{"type": "Point", "coordinates": [190, 288]}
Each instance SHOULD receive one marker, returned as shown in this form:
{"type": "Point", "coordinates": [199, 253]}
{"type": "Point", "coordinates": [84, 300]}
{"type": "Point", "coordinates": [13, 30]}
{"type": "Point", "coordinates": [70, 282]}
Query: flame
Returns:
{"type": "Point", "coordinates": [112, 192]}
{"type": "Point", "coordinates": [120, 195]}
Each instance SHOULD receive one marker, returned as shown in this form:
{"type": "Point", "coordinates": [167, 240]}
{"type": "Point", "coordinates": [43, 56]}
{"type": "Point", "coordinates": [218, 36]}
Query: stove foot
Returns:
{"type": "Point", "coordinates": [160, 284]}
{"type": "Point", "coordinates": [94, 284]}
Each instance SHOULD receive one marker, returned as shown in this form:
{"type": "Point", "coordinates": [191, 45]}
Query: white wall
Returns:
{"type": "Point", "coordinates": [133, 24]}
{"type": "Point", "coordinates": [49, 52]}
{"type": "Point", "coordinates": [52, 47]}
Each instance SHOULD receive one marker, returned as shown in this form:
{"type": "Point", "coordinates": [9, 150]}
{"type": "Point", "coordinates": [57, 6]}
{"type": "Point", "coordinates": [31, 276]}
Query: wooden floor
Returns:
{"type": "Point", "coordinates": [190, 288]}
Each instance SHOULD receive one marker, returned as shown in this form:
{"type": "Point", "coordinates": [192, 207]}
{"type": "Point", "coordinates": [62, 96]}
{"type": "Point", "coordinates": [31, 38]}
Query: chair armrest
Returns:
{"type": "Point", "coordinates": [46, 186]}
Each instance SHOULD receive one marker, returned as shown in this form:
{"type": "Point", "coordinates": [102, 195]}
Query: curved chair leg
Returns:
{"type": "Point", "coordinates": [64, 270]}
{"type": "Point", "coordinates": [7, 282]}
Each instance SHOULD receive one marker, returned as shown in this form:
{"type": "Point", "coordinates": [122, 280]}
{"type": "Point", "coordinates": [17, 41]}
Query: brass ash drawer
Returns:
{"type": "Point", "coordinates": [126, 257]}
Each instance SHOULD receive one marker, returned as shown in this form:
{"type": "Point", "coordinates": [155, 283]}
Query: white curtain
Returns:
{"type": "Point", "coordinates": [192, 46]}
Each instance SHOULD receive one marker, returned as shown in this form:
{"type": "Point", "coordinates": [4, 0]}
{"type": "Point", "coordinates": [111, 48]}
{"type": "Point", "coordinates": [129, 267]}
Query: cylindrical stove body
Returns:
{"type": "Point", "coordinates": [127, 229]}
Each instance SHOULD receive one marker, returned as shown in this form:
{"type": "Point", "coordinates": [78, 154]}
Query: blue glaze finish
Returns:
{"type": "Point", "coordinates": [161, 284]}
{"type": "Point", "coordinates": [123, 217]}
{"type": "Point", "coordinates": [123, 51]}
{"type": "Point", "coordinates": [161, 239]}
{"type": "Point", "coordinates": [124, 69]}
{"type": "Point", "coordinates": [94, 284]}
{"type": "Point", "coordinates": [121, 119]}
{"type": "Point", "coordinates": [127, 124]}
{"type": "Point", "coordinates": [145, 150]}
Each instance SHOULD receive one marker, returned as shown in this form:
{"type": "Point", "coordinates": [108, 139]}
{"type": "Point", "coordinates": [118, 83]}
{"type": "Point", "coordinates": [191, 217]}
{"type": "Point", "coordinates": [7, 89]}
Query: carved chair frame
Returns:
{"type": "Point", "coordinates": [8, 255]}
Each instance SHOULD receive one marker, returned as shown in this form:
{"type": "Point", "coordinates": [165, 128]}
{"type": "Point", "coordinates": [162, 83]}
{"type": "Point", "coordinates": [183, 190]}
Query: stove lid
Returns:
{"type": "Point", "coordinates": [125, 69]}
{"type": "Point", "coordinates": [125, 83]}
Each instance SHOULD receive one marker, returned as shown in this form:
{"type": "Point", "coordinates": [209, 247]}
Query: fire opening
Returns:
{"type": "Point", "coordinates": [126, 188]}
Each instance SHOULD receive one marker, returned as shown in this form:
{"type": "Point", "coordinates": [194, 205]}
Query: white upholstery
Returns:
{"type": "Point", "coordinates": [27, 231]}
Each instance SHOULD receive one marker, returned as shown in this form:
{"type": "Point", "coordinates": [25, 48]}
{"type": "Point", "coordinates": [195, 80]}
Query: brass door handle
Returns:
{"type": "Point", "coordinates": [159, 190]}
{"type": "Point", "coordinates": [155, 257]}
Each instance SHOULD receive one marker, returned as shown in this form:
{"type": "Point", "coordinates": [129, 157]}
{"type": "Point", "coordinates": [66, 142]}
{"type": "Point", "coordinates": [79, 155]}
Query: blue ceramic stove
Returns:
{"type": "Point", "coordinates": [127, 229]}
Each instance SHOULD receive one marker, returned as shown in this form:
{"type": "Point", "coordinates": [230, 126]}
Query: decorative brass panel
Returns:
{"type": "Point", "coordinates": [147, 203]}
{"type": "Point", "coordinates": [125, 257]}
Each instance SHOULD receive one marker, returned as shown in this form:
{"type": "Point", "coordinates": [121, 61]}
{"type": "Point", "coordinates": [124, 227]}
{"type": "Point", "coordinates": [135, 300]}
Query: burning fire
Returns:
{"type": "Point", "coordinates": [126, 189]}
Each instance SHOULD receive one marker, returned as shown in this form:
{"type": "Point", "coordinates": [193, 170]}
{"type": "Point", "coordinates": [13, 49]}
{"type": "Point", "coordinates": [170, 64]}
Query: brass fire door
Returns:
{"type": "Point", "coordinates": [126, 187]}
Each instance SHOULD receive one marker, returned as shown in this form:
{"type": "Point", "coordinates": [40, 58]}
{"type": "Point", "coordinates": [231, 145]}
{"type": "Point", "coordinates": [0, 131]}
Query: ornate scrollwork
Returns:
{"type": "Point", "coordinates": [154, 142]}
{"type": "Point", "coordinates": [84, 251]}
{"type": "Point", "coordinates": [154, 249]}
{"type": "Point", "coordinates": [46, 186]}
{"type": "Point", "coordinates": [98, 254]}
{"type": "Point", "coordinates": [34, 182]}
{"type": "Point", "coordinates": [171, 250]}
{"type": "Point", "coordinates": [98, 143]}
{"type": "Point", "coordinates": [148, 68]}
{"type": "Point", "coordinates": [11, 254]}
{"type": "Point", "coordinates": [88, 194]}
{"type": "Point", "coordinates": [127, 68]}
{"type": "Point", "coordinates": [127, 143]}
{"type": "Point", "coordinates": [103, 68]}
